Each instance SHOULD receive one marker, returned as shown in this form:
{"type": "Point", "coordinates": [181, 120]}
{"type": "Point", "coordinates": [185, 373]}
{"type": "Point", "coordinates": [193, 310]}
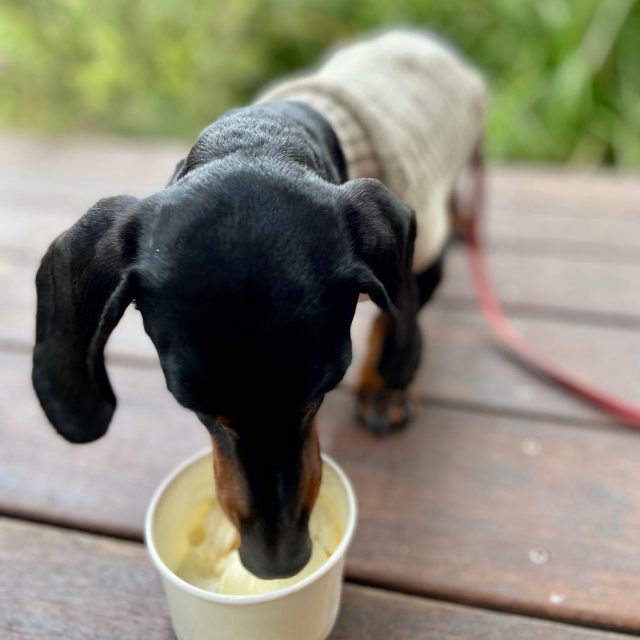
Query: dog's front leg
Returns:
{"type": "Point", "coordinates": [393, 356]}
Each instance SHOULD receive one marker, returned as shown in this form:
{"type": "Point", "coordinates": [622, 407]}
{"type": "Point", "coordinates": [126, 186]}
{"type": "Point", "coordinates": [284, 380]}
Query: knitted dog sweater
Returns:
{"type": "Point", "coordinates": [407, 110]}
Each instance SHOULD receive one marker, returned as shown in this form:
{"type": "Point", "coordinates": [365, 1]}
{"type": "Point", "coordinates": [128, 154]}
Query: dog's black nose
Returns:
{"type": "Point", "coordinates": [282, 556]}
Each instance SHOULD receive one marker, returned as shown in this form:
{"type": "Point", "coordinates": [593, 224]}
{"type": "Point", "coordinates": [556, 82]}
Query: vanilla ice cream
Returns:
{"type": "Point", "coordinates": [212, 561]}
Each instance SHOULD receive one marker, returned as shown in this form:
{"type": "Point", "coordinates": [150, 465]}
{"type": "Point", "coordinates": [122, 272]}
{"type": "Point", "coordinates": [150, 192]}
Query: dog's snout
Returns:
{"type": "Point", "coordinates": [279, 556]}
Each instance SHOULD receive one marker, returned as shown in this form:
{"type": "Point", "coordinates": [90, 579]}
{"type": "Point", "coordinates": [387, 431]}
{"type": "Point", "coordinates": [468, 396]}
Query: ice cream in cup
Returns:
{"type": "Point", "coordinates": [211, 596]}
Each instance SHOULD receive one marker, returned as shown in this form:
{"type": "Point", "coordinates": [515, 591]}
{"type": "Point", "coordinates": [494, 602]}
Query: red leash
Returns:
{"type": "Point", "coordinates": [507, 334]}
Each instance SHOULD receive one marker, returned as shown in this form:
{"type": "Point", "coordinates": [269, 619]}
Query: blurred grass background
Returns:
{"type": "Point", "coordinates": [565, 74]}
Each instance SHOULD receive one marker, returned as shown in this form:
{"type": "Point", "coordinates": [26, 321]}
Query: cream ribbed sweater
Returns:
{"type": "Point", "coordinates": [407, 110]}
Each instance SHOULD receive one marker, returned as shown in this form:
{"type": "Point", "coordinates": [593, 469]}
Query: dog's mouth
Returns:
{"type": "Point", "coordinates": [284, 561]}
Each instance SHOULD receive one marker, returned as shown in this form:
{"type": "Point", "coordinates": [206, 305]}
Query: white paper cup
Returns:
{"type": "Point", "coordinates": [304, 611]}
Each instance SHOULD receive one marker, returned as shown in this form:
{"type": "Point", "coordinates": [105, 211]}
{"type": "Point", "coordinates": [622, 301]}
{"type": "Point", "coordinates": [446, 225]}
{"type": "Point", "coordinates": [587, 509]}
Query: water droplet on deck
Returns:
{"type": "Point", "coordinates": [531, 446]}
{"type": "Point", "coordinates": [538, 555]}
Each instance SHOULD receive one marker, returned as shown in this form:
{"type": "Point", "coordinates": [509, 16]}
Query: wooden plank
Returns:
{"type": "Point", "coordinates": [78, 586]}
{"type": "Point", "coordinates": [87, 166]}
{"type": "Point", "coordinates": [581, 192]}
{"type": "Point", "coordinates": [461, 362]}
{"type": "Point", "coordinates": [59, 584]}
{"type": "Point", "coordinates": [46, 184]}
{"type": "Point", "coordinates": [524, 199]}
{"type": "Point", "coordinates": [31, 220]}
{"type": "Point", "coordinates": [463, 365]}
{"type": "Point", "coordinates": [17, 321]}
{"type": "Point", "coordinates": [102, 485]}
{"type": "Point", "coordinates": [512, 514]}
{"type": "Point", "coordinates": [526, 283]}
{"type": "Point", "coordinates": [589, 211]}
{"type": "Point", "coordinates": [372, 614]}
{"type": "Point", "coordinates": [595, 208]}
{"type": "Point", "coordinates": [25, 236]}
{"type": "Point", "coordinates": [535, 518]}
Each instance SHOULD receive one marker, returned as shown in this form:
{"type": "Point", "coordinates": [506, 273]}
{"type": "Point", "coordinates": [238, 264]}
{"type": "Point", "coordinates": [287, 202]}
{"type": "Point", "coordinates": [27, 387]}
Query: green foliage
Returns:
{"type": "Point", "coordinates": [565, 74]}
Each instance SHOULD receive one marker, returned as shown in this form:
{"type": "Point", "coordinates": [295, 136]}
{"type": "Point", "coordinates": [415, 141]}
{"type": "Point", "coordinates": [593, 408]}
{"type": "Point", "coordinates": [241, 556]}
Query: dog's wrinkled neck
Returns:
{"type": "Point", "coordinates": [328, 158]}
{"type": "Point", "coordinates": [287, 131]}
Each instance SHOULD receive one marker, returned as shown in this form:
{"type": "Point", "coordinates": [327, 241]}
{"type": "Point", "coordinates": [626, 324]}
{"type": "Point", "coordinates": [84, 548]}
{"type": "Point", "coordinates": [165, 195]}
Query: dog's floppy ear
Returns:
{"type": "Point", "coordinates": [83, 287]}
{"type": "Point", "coordinates": [383, 231]}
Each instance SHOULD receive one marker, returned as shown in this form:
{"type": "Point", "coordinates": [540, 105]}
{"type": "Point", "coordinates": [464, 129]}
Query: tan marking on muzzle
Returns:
{"type": "Point", "coordinates": [230, 487]}
{"type": "Point", "coordinates": [311, 470]}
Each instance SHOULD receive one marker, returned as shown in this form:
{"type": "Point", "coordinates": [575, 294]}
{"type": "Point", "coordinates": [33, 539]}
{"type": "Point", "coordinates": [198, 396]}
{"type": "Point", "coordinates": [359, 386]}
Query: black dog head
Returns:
{"type": "Point", "coordinates": [247, 281]}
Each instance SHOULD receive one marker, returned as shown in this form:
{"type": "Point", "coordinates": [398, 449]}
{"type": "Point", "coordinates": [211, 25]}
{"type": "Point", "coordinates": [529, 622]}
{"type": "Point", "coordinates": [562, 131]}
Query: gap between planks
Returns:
{"type": "Point", "coordinates": [527, 311]}
{"type": "Point", "coordinates": [478, 602]}
{"type": "Point", "coordinates": [352, 577]}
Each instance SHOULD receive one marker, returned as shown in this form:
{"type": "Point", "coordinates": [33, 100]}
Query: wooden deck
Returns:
{"type": "Point", "coordinates": [507, 510]}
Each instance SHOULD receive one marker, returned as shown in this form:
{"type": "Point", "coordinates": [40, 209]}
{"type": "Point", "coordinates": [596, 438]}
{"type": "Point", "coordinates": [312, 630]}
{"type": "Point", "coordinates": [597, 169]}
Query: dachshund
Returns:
{"type": "Point", "coordinates": [246, 269]}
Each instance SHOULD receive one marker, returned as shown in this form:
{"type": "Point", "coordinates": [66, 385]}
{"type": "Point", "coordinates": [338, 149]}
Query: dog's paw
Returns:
{"type": "Point", "coordinates": [383, 410]}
